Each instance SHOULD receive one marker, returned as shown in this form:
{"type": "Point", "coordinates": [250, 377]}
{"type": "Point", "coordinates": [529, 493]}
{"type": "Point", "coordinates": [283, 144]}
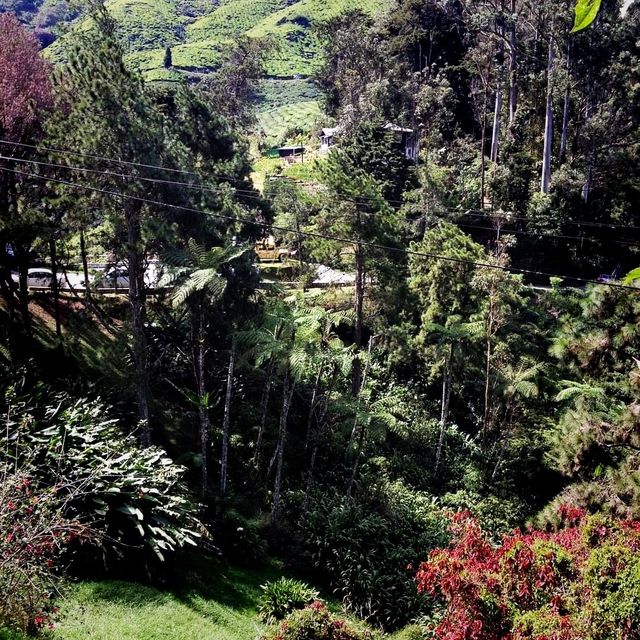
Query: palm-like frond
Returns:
{"type": "Point", "coordinates": [197, 271]}
{"type": "Point", "coordinates": [202, 280]}
{"type": "Point", "coordinates": [573, 390]}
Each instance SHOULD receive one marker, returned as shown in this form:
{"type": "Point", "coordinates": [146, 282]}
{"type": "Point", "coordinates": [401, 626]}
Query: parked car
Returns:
{"type": "Point", "coordinates": [41, 278]}
{"type": "Point", "coordinates": [117, 277]}
{"type": "Point", "coordinates": [267, 251]}
{"type": "Point", "coordinates": [113, 278]}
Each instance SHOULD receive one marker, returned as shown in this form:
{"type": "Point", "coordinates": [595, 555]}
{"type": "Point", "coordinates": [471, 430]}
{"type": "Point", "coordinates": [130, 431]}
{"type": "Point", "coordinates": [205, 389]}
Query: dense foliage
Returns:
{"type": "Point", "coordinates": [315, 622]}
{"type": "Point", "coordinates": [35, 534]}
{"type": "Point", "coordinates": [281, 597]}
{"type": "Point", "coordinates": [427, 319]}
{"type": "Point", "coordinates": [580, 581]}
{"type": "Point", "coordinates": [134, 498]}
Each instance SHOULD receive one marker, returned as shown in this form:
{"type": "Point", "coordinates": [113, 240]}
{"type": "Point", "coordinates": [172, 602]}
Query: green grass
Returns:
{"type": "Point", "coordinates": [277, 122]}
{"type": "Point", "coordinates": [232, 19]}
{"type": "Point", "coordinates": [292, 29]}
{"type": "Point", "coordinates": [221, 605]}
{"type": "Point", "coordinates": [276, 92]}
{"type": "Point", "coordinates": [147, 24]}
{"type": "Point", "coordinates": [198, 31]}
{"type": "Point", "coordinates": [162, 75]}
{"type": "Point", "coordinates": [199, 55]}
{"type": "Point", "coordinates": [6, 634]}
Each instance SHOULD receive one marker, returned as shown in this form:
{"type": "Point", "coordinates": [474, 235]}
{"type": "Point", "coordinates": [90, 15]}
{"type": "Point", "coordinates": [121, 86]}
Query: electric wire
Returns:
{"type": "Point", "coordinates": [312, 234]}
{"type": "Point", "coordinates": [43, 149]}
{"type": "Point", "coordinates": [247, 194]}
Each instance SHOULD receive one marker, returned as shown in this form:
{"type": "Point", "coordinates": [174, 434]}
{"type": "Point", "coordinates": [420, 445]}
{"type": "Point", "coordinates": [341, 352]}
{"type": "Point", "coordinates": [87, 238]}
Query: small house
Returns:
{"type": "Point", "coordinates": [327, 136]}
{"type": "Point", "coordinates": [407, 138]}
{"type": "Point", "coordinates": [292, 154]}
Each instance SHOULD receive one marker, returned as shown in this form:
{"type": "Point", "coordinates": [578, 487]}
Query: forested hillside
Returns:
{"type": "Point", "coordinates": [199, 33]}
{"type": "Point", "coordinates": [363, 365]}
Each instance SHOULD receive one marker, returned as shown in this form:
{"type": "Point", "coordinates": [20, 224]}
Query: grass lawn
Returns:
{"type": "Point", "coordinates": [220, 605]}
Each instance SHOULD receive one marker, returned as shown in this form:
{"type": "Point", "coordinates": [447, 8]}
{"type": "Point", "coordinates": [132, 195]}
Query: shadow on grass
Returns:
{"type": "Point", "coordinates": [233, 587]}
{"type": "Point", "coordinates": [208, 587]}
{"type": "Point", "coordinates": [120, 592]}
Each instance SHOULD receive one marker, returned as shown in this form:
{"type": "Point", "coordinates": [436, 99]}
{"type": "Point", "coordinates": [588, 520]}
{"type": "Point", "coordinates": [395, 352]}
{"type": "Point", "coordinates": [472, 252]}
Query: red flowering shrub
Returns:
{"type": "Point", "coordinates": [314, 622]}
{"type": "Point", "coordinates": [33, 536]}
{"type": "Point", "coordinates": [25, 85]}
{"type": "Point", "coordinates": [581, 582]}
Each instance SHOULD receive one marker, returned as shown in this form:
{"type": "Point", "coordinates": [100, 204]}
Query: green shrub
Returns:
{"type": "Point", "coordinates": [281, 597]}
{"type": "Point", "coordinates": [366, 549]}
{"type": "Point", "coordinates": [315, 622]}
{"type": "Point", "coordinates": [412, 632]}
{"type": "Point", "coordinates": [8, 634]}
{"type": "Point", "coordinates": [240, 539]}
{"type": "Point", "coordinates": [133, 497]}
{"type": "Point", "coordinates": [34, 535]}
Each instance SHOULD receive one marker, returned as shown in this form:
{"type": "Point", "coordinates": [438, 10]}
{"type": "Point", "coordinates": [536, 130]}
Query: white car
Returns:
{"type": "Point", "coordinates": [41, 278]}
{"type": "Point", "coordinates": [117, 277]}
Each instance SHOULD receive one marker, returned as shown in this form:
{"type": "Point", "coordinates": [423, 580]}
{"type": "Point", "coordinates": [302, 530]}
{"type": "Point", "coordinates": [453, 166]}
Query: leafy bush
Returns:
{"type": "Point", "coordinates": [364, 549]}
{"type": "Point", "coordinates": [33, 536]}
{"type": "Point", "coordinates": [281, 597]}
{"type": "Point", "coordinates": [578, 583]}
{"type": "Point", "coordinates": [412, 632]}
{"type": "Point", "coordinates": [239, 539]}
{"type": "Point", "coordinates": [315, 622]}
{"type": "Point", "coordinates": [134, 497]}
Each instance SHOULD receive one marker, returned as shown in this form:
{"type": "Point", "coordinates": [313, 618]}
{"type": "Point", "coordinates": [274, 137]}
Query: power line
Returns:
{"type": "Point", "coordinates": [41, 149]}
{"type": "Point", "coordinates": [127, 176]}
{"type": "Point", "coordinates": [311, 234]}
{"type": "Point", "coordinates": [247, 194]}
{"type": "Point", "coordinates": [551, 235]}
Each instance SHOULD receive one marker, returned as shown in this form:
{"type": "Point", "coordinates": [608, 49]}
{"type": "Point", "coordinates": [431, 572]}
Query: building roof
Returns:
{"type": "Point", "coordinates": [397, 128]}
{"type": "Point", "coordinates": [330, 131]}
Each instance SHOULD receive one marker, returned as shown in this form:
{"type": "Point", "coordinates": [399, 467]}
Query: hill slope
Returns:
{"type": "Point", "coordinates": [198, 31]}
{"type": "Point", "coordinates": [197, 27]}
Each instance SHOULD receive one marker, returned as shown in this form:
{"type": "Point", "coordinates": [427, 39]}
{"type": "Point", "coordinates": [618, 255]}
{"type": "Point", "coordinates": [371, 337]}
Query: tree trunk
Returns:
{"type": "Point", "coordinates": [354, 431]}
{"type": "Point", "coordinates": [54, 285]}
{"type": "Point", "coordinates": [312, 407]}
{"type": "Point", "coordinates": [264, 405]}
{"type": "Point", "coordinates": [85, 264]}
{"type": "Point", "coordinates": [566, 109]}
{"type": "Point", "coordinates": [287, 394]}
{"type": "Point", "coordinates": [362, 431]}
{"type": "Point", "coordinates": [6, 286]}
{"type": "Point", "coordinates": [545, 185]}
{"type": "Point", "coordinates": [483, 142]}
{"type": "Point", "coordinates": [226, 421]}
{"type": "Point", "coordinates": [137, 303]}
{"type": "Point", "coordinates": [495, 137]}
{"type": "Point", "coordinates": [487, 381]}
{"type": "Point", "coordinates": [446, 397]}
{"type": "Point", "coordinates": [203, 409]}
{"type": "Point", "coordinates": [513, 68]}
{"type": "Point", "coordinates": [359, 320]}
{"type": "Point", "coordinates": [315, 439]}
{"type": "Point", "coordinates": [590, 159]}
{"type": "Point", "coordinates": [299, 234]}
{"type": "Point", "coordinates": [356, 461]}
{"type": "Point", "coordinates": [23, 289]}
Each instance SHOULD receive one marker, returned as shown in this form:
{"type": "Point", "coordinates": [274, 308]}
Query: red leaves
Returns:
{"type": "Point", "coordinates": [571, 515]}
{"type": "Point", "coordinates": [544, 575]}
{"type": "Point", "coordinates": [34, 535]}
{"type": "Point", "coordinates": [25, 85]}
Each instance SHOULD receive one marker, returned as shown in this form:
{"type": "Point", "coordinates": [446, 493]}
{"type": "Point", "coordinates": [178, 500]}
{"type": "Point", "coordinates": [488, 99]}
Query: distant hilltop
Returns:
{"type": "Point", "coordinates": [198, 30]}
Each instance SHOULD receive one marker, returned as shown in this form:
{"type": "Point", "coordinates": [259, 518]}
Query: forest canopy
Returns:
{"type": "Point", "coordinates": [378, 378]}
